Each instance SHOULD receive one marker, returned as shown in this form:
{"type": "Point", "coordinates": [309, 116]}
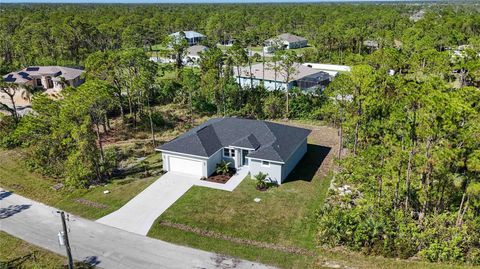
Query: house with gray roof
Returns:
{"type": "Point", "coordinates": [258, 146]}
{"type": "Point", "coordinates": [304, 77]}
{"type": "Point", "coordinates": [46, 77]}
{"type": "Point", "coordinates": [284, 41]}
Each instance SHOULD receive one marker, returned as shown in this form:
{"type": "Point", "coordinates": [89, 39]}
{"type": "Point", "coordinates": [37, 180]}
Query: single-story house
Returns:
{"type": "Point", "coordinates": [193, 38]}
{"type": "Point", "coordinates": [284, 41]}
{"type": "Point", "coordinates": [305, 78]}
{"type": "Point", "coordinates": [259, 146]}
{"type": "Point", "coordinates": [46, 77]}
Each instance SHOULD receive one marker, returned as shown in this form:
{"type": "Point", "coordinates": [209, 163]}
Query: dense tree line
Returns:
{"type": "Point", "coordinates": [408, 114]}
{"type": "Point", "coordinates": [66, 34]}
{"type": "Point", "coordinates": [411, 183]}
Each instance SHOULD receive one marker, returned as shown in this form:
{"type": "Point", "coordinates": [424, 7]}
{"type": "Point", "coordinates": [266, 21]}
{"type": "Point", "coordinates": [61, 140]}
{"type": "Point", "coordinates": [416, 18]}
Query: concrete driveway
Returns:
{"type": "Point", "coordinates": [102, 245]}
{"type": "Point", "coordinates": [138, 215]}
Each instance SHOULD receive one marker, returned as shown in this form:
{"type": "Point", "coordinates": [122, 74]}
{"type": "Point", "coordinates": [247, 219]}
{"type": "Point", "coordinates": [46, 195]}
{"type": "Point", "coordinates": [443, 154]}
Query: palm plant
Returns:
{"type": "Point", "coordinates": [223, 168]}
{"type": "Point", "coordinates": [261, 181]}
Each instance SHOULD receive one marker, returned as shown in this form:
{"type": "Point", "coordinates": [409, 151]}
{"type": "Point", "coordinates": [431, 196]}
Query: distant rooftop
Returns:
{"type": "Point", "coordinates": [189, 34]}
{"type": "Point", "coordinates": [289, 38]}
{"type": "Point", "coordinates": [258, 73]}
{"type": "Point", "coordinates": [27, 74]}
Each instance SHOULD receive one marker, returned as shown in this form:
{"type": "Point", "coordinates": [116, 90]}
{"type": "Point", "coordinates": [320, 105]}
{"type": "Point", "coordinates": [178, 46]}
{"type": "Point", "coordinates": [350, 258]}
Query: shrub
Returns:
{"type": "Point", "coordinates": [223, 168]}
{"type": "Point", "coordinates": [261, 183]}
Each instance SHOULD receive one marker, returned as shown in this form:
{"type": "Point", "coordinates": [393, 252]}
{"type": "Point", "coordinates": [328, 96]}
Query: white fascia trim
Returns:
{"type": "Point", "coordinates": [235, 147]}
{"type": "Point", "coordinates": [183, 154]}
{"type": "Point", "coordinates": [276, 162]}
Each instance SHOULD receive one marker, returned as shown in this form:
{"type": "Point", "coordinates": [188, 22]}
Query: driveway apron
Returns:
{"type": "Point", "coordinates": [138, 215]}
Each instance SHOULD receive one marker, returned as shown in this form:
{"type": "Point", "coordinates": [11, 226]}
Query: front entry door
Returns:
{"type": "Point", "coordinates": [244, 157]}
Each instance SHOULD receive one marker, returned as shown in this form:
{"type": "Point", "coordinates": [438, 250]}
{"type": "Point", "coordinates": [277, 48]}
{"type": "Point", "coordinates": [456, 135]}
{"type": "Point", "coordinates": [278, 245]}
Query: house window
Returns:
{"type": "Point", "coordinates": [39, 82]}
{"type": "Point", "coordinates": [228, 152]}
{"type": "Point", "coordinates": [265, 163]}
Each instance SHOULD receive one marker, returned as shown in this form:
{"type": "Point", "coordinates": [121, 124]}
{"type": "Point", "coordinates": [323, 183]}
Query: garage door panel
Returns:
{"type": "Point", "coordinates": [186, 166]}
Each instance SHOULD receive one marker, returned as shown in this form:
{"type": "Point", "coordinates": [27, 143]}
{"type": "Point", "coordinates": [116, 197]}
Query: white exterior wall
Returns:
{"type": "Point", "coordinates": [294, 159]}
{"type": "Point", "coordinates": [274, 171]}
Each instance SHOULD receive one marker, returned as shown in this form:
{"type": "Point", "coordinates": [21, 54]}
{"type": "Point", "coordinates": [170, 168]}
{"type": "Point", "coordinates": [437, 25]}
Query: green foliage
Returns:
{"type": "Point", "coordinates": [410, 186]}
{"type": "Point", "coordinates": [274, 106]}
{"type": "Point", "coordinates": [260, 181]}
{"type": "Point", "coordinates": [60, 136]}
{"type": "Point", "coordinates": [223, 167]}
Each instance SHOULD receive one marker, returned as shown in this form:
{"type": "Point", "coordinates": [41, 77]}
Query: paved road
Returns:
{"type": "Point", "coordinates": [107, 246]}
{"type": "Point", "coordinates": [138, 215]}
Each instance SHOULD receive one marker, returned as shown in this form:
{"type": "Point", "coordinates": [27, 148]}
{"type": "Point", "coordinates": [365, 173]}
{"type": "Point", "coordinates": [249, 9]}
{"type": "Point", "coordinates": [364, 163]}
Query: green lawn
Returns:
{"type": "Point", "coordinates": [232, 223]}
{"type": "Point", "coordinates": [89, 203]}
{"type": "Point", "coordinates": [14, 249]}
{"type": "Point", "coordinates": [284, 216]}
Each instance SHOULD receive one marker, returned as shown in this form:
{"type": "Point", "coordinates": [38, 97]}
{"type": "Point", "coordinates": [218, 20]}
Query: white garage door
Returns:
{"type": "Point", "coordinates": [186, 166]}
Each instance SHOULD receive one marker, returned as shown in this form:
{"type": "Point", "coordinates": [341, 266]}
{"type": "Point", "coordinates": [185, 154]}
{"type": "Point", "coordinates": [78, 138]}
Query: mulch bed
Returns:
{"type": "Point", "coordinates": [202, 232]}
{"type": "Point", "coordinates": [219, 178]}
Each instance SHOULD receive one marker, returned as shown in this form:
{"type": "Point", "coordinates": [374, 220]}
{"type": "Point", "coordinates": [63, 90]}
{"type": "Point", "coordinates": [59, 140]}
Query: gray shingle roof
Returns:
{"type": "Point", "coordinates": [271, 141]}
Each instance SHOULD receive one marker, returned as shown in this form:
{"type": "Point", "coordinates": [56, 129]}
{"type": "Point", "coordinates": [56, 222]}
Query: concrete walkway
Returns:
{"type": "Point", "coordinates": [102, 245]}
{"type": "Point", "coordinates": [138, 215]}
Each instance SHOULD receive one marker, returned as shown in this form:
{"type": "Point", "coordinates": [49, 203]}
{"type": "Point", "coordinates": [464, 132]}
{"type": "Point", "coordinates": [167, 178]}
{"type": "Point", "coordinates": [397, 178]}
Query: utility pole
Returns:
{"type": "Point", "coordinates": [65, 238]}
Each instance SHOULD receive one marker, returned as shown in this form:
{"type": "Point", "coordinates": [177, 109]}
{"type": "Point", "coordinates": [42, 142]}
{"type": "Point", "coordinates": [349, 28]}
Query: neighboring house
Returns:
{"type": "Point", "coordinates": [259, 146]}
{"type": "Point", "coordinates": [193, 54]}
{"type": "Point", "coordinates": [46, 77]}
{"type": "Point", "coordinates": [193, 38]}
{"type": "Point", "coordinates": [284, 41]}
{"type": "Point", "coordinates": [305, 78]}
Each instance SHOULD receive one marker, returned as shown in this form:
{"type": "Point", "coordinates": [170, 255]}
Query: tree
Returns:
{"type": "Point", "coordinates": [340, 93]}
{"type": "Point", "coordinates": [238, 56]}
{"type": "Point", "coordinates": [288, 68]}
{"type": "Point", "coordinates": [190, 83]}
{"type": "Point", "coordinates": [11, 90]}
{"type": "Point", "coordinates": [178, 43]}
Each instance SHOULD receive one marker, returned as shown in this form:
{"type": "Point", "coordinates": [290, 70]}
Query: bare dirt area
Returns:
{"type": "Point", "coordinates": [324, 139]}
